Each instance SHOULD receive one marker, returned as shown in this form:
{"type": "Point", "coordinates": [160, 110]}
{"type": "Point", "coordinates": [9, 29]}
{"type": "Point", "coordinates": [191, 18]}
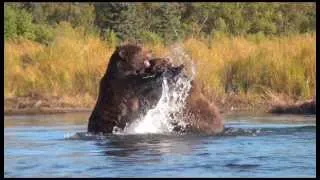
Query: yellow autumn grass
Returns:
{"type": "Point", "coordinates": [72, 65]}
{"type": "Point", "coordinates": [281, 65]}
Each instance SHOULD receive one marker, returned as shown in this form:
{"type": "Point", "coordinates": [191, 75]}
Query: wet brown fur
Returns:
{"type": "Point", "coordinates": [125, 93]}
{"type": "Point", "coordinates": [203, 116]}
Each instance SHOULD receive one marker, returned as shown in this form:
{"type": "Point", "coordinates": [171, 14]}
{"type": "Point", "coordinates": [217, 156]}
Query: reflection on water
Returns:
{"type": "Point", "coordinates": [251, 146]}
{"type": "Point", "coordinates": [151, 145]}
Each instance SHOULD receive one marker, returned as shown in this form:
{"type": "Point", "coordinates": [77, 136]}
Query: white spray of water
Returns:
{"type": "Point", "coordinates": [170, 105]}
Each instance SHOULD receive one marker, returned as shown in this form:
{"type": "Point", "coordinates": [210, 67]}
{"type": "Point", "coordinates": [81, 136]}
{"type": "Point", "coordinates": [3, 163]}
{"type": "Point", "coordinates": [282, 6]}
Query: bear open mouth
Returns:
{"type": "Point", "coordinates": [148, 76]}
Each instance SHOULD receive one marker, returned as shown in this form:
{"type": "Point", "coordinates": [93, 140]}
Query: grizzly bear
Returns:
{"type": "Point", "coordinates": [201, 115]}
{"type": "Point", "coordinates": [128, 89]}
{"type": "Point", "coordinates": [132, 85]}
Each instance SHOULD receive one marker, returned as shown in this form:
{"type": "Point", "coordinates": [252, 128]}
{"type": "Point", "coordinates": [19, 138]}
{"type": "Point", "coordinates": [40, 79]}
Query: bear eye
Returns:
{"type": "Point", "coordinates": [123, 54]}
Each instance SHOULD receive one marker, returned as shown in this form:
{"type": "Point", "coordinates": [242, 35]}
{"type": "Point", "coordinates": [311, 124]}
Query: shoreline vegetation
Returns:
{"type": "Point", "coordinates": [31, 106]}
{"type": "Point", "coordinates": [54, 105]}
{"type": "Point", "coordinates": [54, 57]}
{"type": "Point", "coordinates": [236, 73]}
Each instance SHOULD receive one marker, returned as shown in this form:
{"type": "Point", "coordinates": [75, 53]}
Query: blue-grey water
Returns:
{"type": "Point", "coordinates": [251, 146]}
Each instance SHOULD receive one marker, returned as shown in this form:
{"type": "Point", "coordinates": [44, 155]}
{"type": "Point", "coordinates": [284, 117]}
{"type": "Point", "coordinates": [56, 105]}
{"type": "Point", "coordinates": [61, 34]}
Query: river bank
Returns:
{"type": "Point", "coordinates": [53, 104]}
{"type": "Point", "coordinates": [41, 105]}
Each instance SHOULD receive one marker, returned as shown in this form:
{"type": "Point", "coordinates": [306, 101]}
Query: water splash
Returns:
{"type": "Point", "coordinates": [168, 110]}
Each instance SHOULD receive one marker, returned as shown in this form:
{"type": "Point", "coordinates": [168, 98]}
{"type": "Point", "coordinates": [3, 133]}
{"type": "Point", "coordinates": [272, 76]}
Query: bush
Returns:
{"type": "Point", "coordinates": [10, 25]}
{"type": "Point", "coordinates": [44, 33]}
{"type": "Point", "coordinates": [111, 37]}
{"type": "Point", "coordinates": [18, 22]}
{"type": "Point", "coordinates": [150, 37]}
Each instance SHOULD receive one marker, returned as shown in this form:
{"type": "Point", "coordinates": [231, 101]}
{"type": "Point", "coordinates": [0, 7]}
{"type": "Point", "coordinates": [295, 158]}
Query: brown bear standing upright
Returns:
{"type": "Point", "coordinates": [126, 91]}
{"type": "Point", "coordinates": [115, 99]}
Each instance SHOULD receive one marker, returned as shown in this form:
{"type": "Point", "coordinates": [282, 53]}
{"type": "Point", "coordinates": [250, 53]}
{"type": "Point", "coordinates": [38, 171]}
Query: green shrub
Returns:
{"type": "Point", "coordinates": [44, 33]}
{"type": "Point", "coordinates": [18, 22]}
{"type": "Point", "coordinates": [150, 37]}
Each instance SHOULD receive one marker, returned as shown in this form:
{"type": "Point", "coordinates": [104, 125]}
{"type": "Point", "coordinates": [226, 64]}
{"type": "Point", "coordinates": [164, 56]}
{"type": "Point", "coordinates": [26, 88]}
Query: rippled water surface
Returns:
{"type": "Point", "coordinates": [251, 146]}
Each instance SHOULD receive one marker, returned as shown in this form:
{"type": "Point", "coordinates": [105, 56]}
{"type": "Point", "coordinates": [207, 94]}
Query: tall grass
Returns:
{"type": "Point", "coordinates": [280, 64]}
{"type": "Point", "coordinates": [71, 65]}
{"type": "Point", "coordinates": [74, 62]}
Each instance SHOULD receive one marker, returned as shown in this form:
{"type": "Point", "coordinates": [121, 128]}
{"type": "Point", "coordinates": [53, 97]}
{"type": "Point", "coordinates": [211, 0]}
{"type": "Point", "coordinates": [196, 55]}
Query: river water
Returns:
{"type": "Point", "coordinates": [252, 146]}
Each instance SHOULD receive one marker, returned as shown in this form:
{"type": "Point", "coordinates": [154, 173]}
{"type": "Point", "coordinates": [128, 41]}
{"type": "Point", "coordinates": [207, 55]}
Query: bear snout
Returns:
{"type": "Point", "coordinates": [146, 63]}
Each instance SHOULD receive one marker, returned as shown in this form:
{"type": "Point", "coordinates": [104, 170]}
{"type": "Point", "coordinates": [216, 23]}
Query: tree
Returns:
{"type": "Point", "coordinates": [113, 16]}
{"type": "Point", "coordinates": [167, 21]}
{"type": "Point", "coordinates": [18, 22]}
{"type": "Point", "coordinates": [10, 25]}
